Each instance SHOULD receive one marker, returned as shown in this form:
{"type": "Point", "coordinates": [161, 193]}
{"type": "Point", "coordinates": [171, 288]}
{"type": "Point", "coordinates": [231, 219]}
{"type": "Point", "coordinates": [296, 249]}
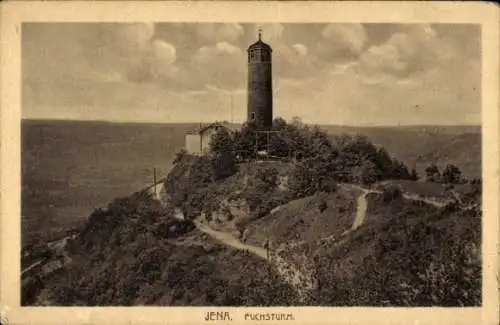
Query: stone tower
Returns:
{"type": "Point", "coordinates": [260, 88]}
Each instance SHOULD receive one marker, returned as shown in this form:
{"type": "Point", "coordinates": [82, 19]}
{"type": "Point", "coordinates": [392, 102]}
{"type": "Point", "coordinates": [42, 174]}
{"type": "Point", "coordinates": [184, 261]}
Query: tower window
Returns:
{"type": "Point", "coordinates": [253, 116]}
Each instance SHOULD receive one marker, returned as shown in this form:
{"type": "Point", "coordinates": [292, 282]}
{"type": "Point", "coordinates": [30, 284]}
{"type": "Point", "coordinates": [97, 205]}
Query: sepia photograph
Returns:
{"type": "Point", "coordinates": [281, 164]}
{"type": "Point", "coordinates": [251, 164]}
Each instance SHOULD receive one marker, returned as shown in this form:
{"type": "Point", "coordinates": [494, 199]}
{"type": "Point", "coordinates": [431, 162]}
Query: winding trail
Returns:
{"type": "Point", "coordinates": [361, 207]}
{"type": "Point", "coordinates": [230, 240]}
{"type": "Point", "coordinates": [415, 197]}
{"type": "Point", "coordinates": [291, 274]}
{"type": "Point", "coordinates": [299, 279]}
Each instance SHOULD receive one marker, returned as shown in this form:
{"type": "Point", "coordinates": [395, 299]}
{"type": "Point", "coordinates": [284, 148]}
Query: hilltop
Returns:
{"type": "Point", "coordinates": [104, 160]}
{"type": "Point", "coordinates": [337, 221]}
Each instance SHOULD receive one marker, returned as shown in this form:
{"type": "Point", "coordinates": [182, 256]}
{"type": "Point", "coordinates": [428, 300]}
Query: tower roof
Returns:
{"type": "Point", "coordinates": [259, 44]}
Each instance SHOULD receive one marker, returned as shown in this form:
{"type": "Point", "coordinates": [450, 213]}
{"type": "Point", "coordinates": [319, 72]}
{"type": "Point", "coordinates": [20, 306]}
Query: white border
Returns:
{"type": "Point", "coordinates": [13, 13]}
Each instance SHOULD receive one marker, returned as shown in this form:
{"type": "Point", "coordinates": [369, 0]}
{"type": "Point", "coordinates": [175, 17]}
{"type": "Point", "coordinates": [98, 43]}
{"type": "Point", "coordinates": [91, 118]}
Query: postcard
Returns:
{"type": "Point", "coordinates": [249, 162]}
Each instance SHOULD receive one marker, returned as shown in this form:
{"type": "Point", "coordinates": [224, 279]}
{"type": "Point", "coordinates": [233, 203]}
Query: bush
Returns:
{"type": "Point", "coordinates": [450, 207]}
{"type": "Point", "coordinates": [223, 165]}
{"type": "Point", "coordinates": [392, 193]}
{"type": "Point", "coordinates": [322, 204]}
{"type": "Point", "coordinates": [268, 176]}
{"type": "Point", "coordinates": [328, 185]}
{"type": "Point", "coordinates": [432, 173]}
{"type": "Point", "coordinates": [451, 174]}
{"type": "Point", "coordinates": [179, 156]}
{"type": "Point", "coordinates": [414, 175]}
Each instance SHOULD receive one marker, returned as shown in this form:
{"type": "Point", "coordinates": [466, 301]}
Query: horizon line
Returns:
{"type": "Point", "coordinates": [198, 122]}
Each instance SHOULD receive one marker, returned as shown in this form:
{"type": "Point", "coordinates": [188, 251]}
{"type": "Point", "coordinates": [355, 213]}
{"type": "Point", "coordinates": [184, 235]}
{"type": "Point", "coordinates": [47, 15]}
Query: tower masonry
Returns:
{"type": "Point", "coordinates": [260, 88]}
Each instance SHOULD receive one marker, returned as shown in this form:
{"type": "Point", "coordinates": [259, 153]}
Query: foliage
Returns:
{"type": "Point", "coordinates": [413, 174]}
{"type": "Point", "coordinates": [223, 165]}
{"type": "Point", "coordinates": [432, 173]}
{"type": "Point", "coordinates": [451, 174]}
{"type": "Point", "coordinates": [262, 195]}
{"type": "Point", "coordinates": [193, 182]}
{"type": "Point", "coordinates": [391, 193]}
{"type": "Point", "coordinates": [309, 176]}
{"type": "Point", "coordinates": [179, 156]}
{"type": "Point", "coordinates": [125, 257]}
{"type": "Point", "coordinates": [419, 256]}
{"type": "Point", "coordinates": [268, 177]}
{"type": "Point", "coordinates": [221, 142]}
{"type": "Point", "coordinates": [369, 174]}
{"type": "Point", "coordinates": [341, 158]}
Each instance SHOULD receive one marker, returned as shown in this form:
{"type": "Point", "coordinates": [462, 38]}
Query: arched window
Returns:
{"type": "Point", "coordinates": [253, 116]}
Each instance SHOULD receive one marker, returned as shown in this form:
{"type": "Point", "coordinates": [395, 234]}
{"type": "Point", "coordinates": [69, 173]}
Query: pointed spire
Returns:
{"type": "Point", "coordinates": [260, 33]}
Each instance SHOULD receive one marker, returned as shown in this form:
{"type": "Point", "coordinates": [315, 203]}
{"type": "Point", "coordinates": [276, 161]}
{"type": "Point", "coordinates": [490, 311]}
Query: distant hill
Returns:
{"type": "Point", "coordinates": [463, 150]}
{"type": "Point", "coordinates": [421, 145]}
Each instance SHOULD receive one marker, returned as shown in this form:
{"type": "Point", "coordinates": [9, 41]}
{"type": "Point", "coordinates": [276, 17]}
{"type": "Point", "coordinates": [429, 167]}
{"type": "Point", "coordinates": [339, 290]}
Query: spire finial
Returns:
{"type": "Point", "coordinates": [260, 33]}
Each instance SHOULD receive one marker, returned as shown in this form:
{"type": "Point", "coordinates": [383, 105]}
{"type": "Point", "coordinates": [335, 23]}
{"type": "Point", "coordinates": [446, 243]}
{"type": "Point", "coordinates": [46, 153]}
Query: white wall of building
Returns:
{"type": "Point", "coordinates": [193, 144]}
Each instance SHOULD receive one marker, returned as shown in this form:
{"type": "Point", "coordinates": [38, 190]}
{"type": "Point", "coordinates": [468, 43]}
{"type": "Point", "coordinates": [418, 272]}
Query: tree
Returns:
{"type": "Point", "coordinates": [297, 121]}
{"type": "Point", "coordinates": [179, 156]}
{"type": "Point", "coordinates": [223, 165]}
{"type": "Point", "coordinates": [451, 174]}
{"type": "Point", "coordinates": [303, 180]}
{"type": "Point", "coordinates": [398, 170]}
{"type": "Point", "coordinates": [244, 140]}
{"type": "Point", "coordinates": [221, 142]}
{"type": "Point", "coordinates": [432, 173]}
{"type": "Point", "coordinates": [413, 174]}
{"type": "Point", "coordinates": [369, 173]}
{"type": "Point", "coordinates": [268, 177]}
{"type": "Point", "coordinates": [222, 154]}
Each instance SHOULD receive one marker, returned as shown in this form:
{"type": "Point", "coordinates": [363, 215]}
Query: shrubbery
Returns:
{"type": "Point", "coordinates": [391, 193]}
{"type": "Point", "coordinates": [345, 158]}
{"type": "Point", "coordinates": [407, 260]}
{"type": "Point", "coordinates": [193, 183]}
{"type": "Point", "coordinates": [262, 194]}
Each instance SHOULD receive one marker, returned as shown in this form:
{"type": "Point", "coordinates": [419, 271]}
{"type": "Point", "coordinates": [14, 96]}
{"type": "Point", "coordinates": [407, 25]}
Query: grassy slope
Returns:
{"type": "Point", "coordinates": [424, 252]}
{"type": "Point", "coordinates": [302, 219]}
{"type": "Point", "coordinates": [135, 253]}
{"type": "Point", "coordinates": [405, 253]}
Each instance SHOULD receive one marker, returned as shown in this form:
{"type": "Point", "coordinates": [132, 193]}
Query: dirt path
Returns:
{"type": "Point", "coordinates": [229, 240]}
{"type": "Point", "coordinates": [415, 197]}
{"type": "Point", "coordinates": [361, 207]}
{"type": "Point", "coordinates": [288, 271]}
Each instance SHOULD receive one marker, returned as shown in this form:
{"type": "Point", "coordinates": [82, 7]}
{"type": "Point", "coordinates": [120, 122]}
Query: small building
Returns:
{"type": "Point", "coordinates": [198, 141]}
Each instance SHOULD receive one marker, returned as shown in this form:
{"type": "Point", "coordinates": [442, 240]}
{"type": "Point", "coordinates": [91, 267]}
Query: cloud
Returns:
{"type": "Point", "coordinates": [222, 65]}
{"type": "Point", "coordinates": [293, 61]}
{"type": "Point", "coordinates": [229, 33]}
{"type": "Point", "coordinates": [165, 52]}
{"type": "Point", "coordinates": [336, 73]}
{"type": "Point", "coordinates": [415, 49]}
{"type": "Point", "coordinates": [341, 41]}
{"type": "Point", "coordinates": [271, 32]}
{"type": "Point", "coordinates": [300, 49]}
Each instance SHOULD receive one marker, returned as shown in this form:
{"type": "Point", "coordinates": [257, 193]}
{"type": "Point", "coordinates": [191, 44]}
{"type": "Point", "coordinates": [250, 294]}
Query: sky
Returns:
{"type": "Point", "coordinates": [342, 74]}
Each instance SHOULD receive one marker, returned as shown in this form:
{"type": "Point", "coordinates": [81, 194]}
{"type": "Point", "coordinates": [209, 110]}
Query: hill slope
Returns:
{"type": "Point", "coordinates": [404, 253]}
{"type": "Point", "coordinates": [147, 250]}
{"type": "Point", "coordinates": [135, 253]}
